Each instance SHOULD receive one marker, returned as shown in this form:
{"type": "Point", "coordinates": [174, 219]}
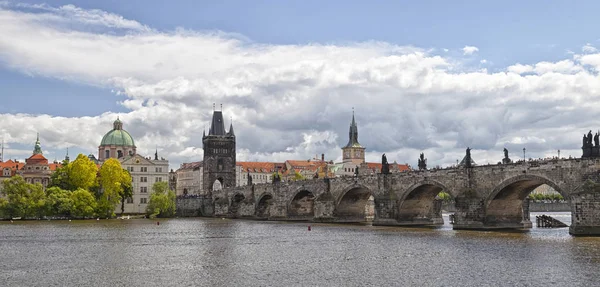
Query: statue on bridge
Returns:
{"type": "Point", "coordinates": [385, 167]}
{"type": "Point", "coordinates": [506, 159]}
{"type": "Point", "coordinates": [422, 162]}
{"type": "Point", "coordinates": [591, 146]}
{"type": "Point", "coordinates": [468, 158]}
{"type": "Point", "coordinates": [276, 177]}
{"type": "Point", "coordinates": [356, 171]}
{"type": "Point", "coordinates": [249, 178]}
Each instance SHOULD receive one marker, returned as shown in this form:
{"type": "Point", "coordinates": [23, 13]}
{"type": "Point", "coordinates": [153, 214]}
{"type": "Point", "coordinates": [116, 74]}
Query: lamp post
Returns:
{"type": "Point", "coordinates": [558, 154]}
{"type": "Point", "coordinates": [523, 154]}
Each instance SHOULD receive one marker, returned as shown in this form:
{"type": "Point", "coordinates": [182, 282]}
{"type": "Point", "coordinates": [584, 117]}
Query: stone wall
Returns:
{"type": "Point", "coordinates": [194, 206]}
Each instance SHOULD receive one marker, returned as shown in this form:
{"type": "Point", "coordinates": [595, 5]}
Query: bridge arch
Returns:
{"type": "Point", "coordinates": [418, 204]}
{"type": "Point", "coordinates": [505, 206]}
{"type": "Point", "coordinates": [301, 205]}
{"type": "Point", "coordinates": [263, 205]}
{"type": "Point", "coordinates": [351, 206]}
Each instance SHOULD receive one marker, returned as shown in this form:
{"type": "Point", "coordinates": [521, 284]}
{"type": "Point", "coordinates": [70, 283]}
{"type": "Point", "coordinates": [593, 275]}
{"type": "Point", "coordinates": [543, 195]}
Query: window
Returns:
{"type": "Point", "coordinates": [158, 169]}
{"type": "Point", "coordinates": [143, 169]}
{"type": "Point", "coordinates": [144, 189]}
{"type": "Point", "coordinates": [143, 200]}
{"type": "Point", "coordinates": [143, 179]}
{"type": "Point", "coordinates": [158, 179]}
{"type": "Point", "coordinates": [131, 169]}
{"type": "Point", "coordinates": [129, 200]}
{"type": "Point", "coordinates": [106, 154]}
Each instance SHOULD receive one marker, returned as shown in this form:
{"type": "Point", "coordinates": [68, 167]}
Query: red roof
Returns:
{"type": "Point", "coordinates": [256, 166]}
{"type": "Point", "coordinates": [13, 165]}
{"type": "Point", "coordinates": [36, 159]}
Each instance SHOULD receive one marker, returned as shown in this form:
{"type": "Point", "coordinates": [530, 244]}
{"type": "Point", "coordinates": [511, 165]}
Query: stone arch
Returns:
{"type": "Point", "coordinates": [350, 206]}
{"type": "Point", "coordinates": [234, 205]}
{"type": "Point", "coordinates": [263, 205]}
{"type": "Point", "coordinates": [506, 206]}
{"type": "Point", "coordinates": [418, 204]}
{"type": "Point", "coordinates": [301, 206]}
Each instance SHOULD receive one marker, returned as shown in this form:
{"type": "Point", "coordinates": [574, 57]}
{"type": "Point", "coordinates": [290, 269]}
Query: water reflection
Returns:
{"type": "Point", "coordinates": [217, 252]}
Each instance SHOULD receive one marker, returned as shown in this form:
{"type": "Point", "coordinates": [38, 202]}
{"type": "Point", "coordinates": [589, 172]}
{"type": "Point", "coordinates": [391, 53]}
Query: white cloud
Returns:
{"type": "Point", "coordinates": [484, 61]}
{"type": "Point", "coordinates": [470, 50]}
{"type": "Point", "coordinates": [520, 69]}
{"type": "Point", "coordinates": [588, 48]}
{"type": "Point", "coordinates": [292, 101]}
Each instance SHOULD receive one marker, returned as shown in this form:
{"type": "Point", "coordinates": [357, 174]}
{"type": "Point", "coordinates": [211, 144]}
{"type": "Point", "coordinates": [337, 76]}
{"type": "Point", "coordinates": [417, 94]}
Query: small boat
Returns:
{"type": "Point", "coordinates": [16, 218]}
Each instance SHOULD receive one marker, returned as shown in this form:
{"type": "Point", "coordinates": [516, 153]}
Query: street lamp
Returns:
{"type": "Point", "coordinates": [558, 154]}
{"type": "Point", "coordinates": [523, 154]}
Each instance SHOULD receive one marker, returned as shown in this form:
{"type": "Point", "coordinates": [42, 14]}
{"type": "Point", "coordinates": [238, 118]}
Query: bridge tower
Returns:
{"type": "Point", "coordinates": [353, 151]}
{"type": "Point", "coordinates": [219, 155]}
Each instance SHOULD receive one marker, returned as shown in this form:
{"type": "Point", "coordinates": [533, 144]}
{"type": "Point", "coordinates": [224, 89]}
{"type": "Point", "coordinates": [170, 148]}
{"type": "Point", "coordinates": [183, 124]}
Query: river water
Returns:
{"type": "Point", "coordinates": [220, 252]}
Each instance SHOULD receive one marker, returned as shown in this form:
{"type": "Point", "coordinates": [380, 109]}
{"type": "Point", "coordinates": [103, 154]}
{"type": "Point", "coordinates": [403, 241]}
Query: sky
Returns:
{"type": "Point", "coordinates": [422, 76]}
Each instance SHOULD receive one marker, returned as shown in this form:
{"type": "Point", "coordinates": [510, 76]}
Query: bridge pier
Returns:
{"type": "Point", "coordinates": [470, 213]}
{"type": "Point", "coordinates": [585, 213]}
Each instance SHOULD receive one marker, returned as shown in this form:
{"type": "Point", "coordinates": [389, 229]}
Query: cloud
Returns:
{"type": "Point", "coordinates": [484, 61]}
{"type": "Point", "coordinates": [588, 48]}
{"type": "Point", "coordinates": [470, 50]}
{"type": "Point", "coordinates": [291, 101]}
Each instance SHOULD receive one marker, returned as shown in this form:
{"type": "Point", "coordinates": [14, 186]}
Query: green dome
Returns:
{"type": "Point", "coordinates": [118, 136]}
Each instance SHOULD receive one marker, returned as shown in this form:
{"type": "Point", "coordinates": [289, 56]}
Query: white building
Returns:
{"type": "Point", "coordinates": [189, 179]}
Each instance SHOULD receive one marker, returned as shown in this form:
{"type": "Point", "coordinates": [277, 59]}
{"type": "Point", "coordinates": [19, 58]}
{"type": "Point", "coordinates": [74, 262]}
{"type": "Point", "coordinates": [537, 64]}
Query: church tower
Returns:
{"type": "Point", "coordinates": [219, 155]}
{"type": "Point", "coordinates": [353, 151]}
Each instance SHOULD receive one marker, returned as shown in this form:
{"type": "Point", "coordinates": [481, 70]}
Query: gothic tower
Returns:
{"type": "Point", "coordinates": [353, 151]}
{"type": "Point", "coordinates": [219, 155]}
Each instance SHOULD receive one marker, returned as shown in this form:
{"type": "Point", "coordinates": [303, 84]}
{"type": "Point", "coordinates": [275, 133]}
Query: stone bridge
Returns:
{"type": "Point", "coordinates": [487, 197]}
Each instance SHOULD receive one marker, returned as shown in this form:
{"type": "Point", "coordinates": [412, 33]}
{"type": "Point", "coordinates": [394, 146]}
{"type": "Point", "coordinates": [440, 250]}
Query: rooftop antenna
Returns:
{"type": "Point", "coordinates": [2, 153]}
{"type": "Point", "coordinates": [213, 107]}
{"type": "Point", "coordinates": [221, 107]}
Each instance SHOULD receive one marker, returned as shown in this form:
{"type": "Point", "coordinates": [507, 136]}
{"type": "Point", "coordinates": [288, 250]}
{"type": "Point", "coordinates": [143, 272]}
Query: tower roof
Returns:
{"type": "Point", "coordinates": [217, 126]}
{"type": "Point", "coordinates": [117, 136]}
{"type": "Point", "coordinates": [353, 134]}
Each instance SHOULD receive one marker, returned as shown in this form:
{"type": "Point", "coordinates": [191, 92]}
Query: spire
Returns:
{"type": "Point", "coordinates": [118, 124]}
{"type": "Point", "coordinates": [156, 154]}
{"type": "Point", "coordinates": [230, 132]}
{"type": "Point", "coordinates": [67, 159]}
{"type": "Point", "coordinates": [38, 147]}
{"type": "Point", "coordinates": [353, 133]}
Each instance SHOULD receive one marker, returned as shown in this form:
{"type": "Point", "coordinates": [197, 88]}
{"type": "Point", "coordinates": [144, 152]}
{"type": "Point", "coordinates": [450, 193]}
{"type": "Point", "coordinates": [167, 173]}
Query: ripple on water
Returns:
{"type": "Point", "coordinates": [251, 253]}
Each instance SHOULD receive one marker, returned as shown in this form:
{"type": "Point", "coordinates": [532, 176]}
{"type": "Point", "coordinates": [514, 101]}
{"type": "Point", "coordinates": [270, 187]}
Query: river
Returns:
{"type": "Point", "coordinates": [221, 252]}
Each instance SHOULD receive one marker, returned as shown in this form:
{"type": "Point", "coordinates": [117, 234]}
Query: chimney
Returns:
{"type": "Point", "coordinates": [322, 157]}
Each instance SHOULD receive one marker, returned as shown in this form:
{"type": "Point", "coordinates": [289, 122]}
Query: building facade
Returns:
{"type": "Point", "coordinates": [189, 179]}
{"type": "Point", "coordinates": [37, 169]}
{"type": "Point", "coordinates": [145, 172]}
{"type": "Point", "coordinates": [219, 155]}
{"type": "Point", "coordinates": [259, 172]}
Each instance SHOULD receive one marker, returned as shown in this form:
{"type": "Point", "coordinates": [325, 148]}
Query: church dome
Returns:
{"type": "Point", "coordinates": [118, 136]}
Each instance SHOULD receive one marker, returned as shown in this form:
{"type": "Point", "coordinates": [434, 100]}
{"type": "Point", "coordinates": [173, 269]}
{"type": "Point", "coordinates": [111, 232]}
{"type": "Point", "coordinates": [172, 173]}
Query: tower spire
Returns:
{"type": "Point", "coordinates": [2, 153]}
{"type": "Point", "coordinates": [38, 147]}
{"type": "Point", "coordinates": [353, 133]}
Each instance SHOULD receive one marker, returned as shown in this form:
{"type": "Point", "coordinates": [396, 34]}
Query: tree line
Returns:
{"type": "Point", "coordinates": [78, 189]}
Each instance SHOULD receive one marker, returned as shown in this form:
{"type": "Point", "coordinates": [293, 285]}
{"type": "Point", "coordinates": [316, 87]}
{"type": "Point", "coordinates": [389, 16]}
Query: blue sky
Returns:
{"type": "Point", "coordinates": [505, 33]}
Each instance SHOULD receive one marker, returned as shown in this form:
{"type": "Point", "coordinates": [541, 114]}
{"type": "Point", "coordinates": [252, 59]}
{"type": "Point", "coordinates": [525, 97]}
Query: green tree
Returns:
{"type": "Point", "coordinates": [162, 201]}
{"type": "Point", "coordinates": [60, 177]}
{"type": "Point", "coordinates": [126, 191]}
{"type": "Point", "coordinates": [82, 173]}
{"type": "Point", "coordinates": [444, 196]}
{"type": "Point", "coordinates": [16, 191]}
{"type": "Point", "coordinates": [59, 201]}
{"type": "Point", "coordinates": [3, 206]}
{"type": "Point", "coordinates": [298, 176]}
{"type": "Point", "coordinates": [36, 201]}
{"type": "Point", "coordinates": [84, 203]}
{"type": "Point", "coordinates": [113, 180]}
